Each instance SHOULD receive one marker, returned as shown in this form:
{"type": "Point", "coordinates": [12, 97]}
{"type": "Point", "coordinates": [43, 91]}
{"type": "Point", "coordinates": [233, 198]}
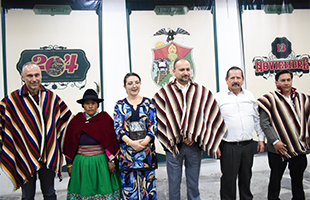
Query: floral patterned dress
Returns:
{"type": "Point", "coordinates": [137, 167]}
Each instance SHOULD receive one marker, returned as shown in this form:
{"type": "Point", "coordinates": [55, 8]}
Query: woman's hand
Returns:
{"type": "Point", "coordinates": [145, 141]}
{"type": "Point", "coordinates": [111, 167]}
{"type": "Point", "coordinates": [136, 145]}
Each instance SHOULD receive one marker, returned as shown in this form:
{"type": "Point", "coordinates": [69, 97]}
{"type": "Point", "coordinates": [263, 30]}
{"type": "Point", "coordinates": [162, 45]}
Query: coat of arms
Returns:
{"type": "Point", "coordinates": [166, 54]}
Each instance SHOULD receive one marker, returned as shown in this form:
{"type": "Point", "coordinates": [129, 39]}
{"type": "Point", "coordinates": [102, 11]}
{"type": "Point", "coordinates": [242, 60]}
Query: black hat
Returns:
{"type": "Point", "coordinates": [90, 94]}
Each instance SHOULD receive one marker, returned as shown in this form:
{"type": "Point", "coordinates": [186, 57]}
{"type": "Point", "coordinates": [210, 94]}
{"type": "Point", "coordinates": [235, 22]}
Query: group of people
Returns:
{"type": "Point", "coordinates": [116, 159]}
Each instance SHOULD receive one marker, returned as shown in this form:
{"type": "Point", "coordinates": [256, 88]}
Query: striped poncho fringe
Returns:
{"type": "Point", "coordinates": [26, 139]}
{"type": "Point", "coordinates": [290, 124]}
{"type": "Point", "coordinates": [201, 122]}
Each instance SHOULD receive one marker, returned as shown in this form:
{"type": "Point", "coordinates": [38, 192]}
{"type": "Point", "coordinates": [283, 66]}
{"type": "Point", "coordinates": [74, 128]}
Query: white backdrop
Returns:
{"type": "Point", "coordinates": [260, 30]}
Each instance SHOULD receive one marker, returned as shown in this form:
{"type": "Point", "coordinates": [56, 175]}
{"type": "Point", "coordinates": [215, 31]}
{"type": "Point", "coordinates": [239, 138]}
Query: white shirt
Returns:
{"type": "Point", "coordinates": [240, 113]}
{"type": "Point", "coordinates": [184, 90]}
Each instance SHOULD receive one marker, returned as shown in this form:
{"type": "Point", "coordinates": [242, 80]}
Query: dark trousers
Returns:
{"type": "Point", "coordinates": [46, 177]}
{"type": "Point", "coordinates": [296, 165]}
{"type": "Point", "coordinates": [236, 161]}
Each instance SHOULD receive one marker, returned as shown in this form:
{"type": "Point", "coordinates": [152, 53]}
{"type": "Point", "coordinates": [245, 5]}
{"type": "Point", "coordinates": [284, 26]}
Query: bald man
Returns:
{"type": "Point", "coordinates": [32, 122]}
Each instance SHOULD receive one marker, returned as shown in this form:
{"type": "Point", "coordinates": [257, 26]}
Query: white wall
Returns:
{"type": "Point", "coordinates": [1, 61]}
{"type": "Point", "coordinates": [260, 30]}
{"type": "Point", "coordinates": [229, 41]}
{"type": "Point", "coordinates": [115, 51]}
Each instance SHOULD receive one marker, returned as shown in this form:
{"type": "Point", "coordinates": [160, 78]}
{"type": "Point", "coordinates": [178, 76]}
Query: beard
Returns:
{"type": "Point", "coordinates": [184, 78]}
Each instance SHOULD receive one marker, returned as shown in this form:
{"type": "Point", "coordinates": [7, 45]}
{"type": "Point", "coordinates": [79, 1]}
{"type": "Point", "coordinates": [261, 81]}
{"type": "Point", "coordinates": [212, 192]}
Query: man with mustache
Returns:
{"type": "Point", "coordinates": [188, 121]}
{"type": "Point", "coordinates": [285, 115]}
{"type": "Point", "coordinates": [240, 112]}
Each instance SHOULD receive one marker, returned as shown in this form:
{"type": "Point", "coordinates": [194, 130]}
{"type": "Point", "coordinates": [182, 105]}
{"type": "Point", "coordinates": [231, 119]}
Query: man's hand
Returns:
{"type": "Point", "coordinates": [218, 153]}
{"type": "Point", "coordinates": [188, 142]}
{"type": "Point", "coordinates": [280, 148]}
{"type": "Point", "coordinates": [260, 147]}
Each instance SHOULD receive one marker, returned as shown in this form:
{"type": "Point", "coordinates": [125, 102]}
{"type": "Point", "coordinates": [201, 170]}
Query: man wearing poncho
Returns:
{"type": "Point", "coordinates": [284, 118]}
{"type": "Point", "coordinates": [32, 122]}
{"type": "Point", "coordinates": [189, 121]}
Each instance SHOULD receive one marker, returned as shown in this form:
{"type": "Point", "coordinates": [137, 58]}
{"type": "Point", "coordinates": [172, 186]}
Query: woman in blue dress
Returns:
{"type": "Point", "coordinates": [137, 158]}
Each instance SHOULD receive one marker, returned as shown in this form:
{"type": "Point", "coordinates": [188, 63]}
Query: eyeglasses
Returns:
{"type": "Point", "coordinates": [133, 83]}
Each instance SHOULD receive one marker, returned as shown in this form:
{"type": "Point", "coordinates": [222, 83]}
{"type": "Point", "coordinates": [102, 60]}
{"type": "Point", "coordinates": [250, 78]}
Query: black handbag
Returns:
{"type": "Point", "coordinates": [137, 130]}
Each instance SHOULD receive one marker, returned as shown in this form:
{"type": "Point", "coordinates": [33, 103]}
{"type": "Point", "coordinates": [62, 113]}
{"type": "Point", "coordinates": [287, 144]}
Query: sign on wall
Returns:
{"type": "Point", "coordinates": [281, 47]}
{"type": "Point", "coordinates": [281, 57]}
{"type": "Point", "coordinates": [59, 65]}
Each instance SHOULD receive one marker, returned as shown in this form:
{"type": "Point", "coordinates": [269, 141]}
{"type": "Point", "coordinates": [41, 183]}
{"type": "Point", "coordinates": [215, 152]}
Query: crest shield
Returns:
{"type": "Point", "coordinates": [164, 57]}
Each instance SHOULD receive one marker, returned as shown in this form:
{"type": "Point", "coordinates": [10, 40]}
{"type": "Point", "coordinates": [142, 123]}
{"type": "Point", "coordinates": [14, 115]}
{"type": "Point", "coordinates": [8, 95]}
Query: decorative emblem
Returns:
{"type": "Point", "coordinates": [164, 56]}
{"type": "Point", "coordinates": [281, 47]}
{"type": "Point", "coordinates": [171, 33]}
{"type": "Point", "coordinates": [281, 57]}
{"type": "Point", "coordinates": [59, 66]}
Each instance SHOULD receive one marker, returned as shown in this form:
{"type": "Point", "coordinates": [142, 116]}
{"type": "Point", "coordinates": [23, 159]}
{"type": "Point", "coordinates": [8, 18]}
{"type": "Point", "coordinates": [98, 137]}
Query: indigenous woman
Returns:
{"type": "Point", "coordinates": [91, 148]}
{"type": "Point", "coordinates": [137, 159]}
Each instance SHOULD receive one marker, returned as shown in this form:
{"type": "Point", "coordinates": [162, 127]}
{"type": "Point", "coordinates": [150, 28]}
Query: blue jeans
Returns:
{"type": "Point", "coordinates": [46, 177]}
{"type": "Point", "coordinates": [192, 156]}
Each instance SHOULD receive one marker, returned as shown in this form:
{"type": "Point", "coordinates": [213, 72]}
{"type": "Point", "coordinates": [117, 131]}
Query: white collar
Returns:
{"type": "Point", "coordinates": [181, 87]}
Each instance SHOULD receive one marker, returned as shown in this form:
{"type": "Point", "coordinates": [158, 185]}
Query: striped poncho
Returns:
{"type": "Point", "coordinates": [201, 121]}
{"type": "Point", "coordinates": [291, 124]}
{"type": "Point", "coordinates": [31, 133]}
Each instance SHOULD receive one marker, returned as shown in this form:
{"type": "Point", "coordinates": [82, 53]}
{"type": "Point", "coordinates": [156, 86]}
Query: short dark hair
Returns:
{"type": "Point", "coordinates": [234, 68]}
{"type": "Point", "coordinates": [284, 71]}
{"type": "Point", "coordinates": [131, 74]}
{"type": "Point", "coordinates": [177, 60]}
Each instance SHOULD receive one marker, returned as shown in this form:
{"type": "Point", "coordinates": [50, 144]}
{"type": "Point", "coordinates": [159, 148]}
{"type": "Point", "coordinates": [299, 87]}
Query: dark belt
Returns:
{"type": "Point", "coordinates": [239, 143]}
